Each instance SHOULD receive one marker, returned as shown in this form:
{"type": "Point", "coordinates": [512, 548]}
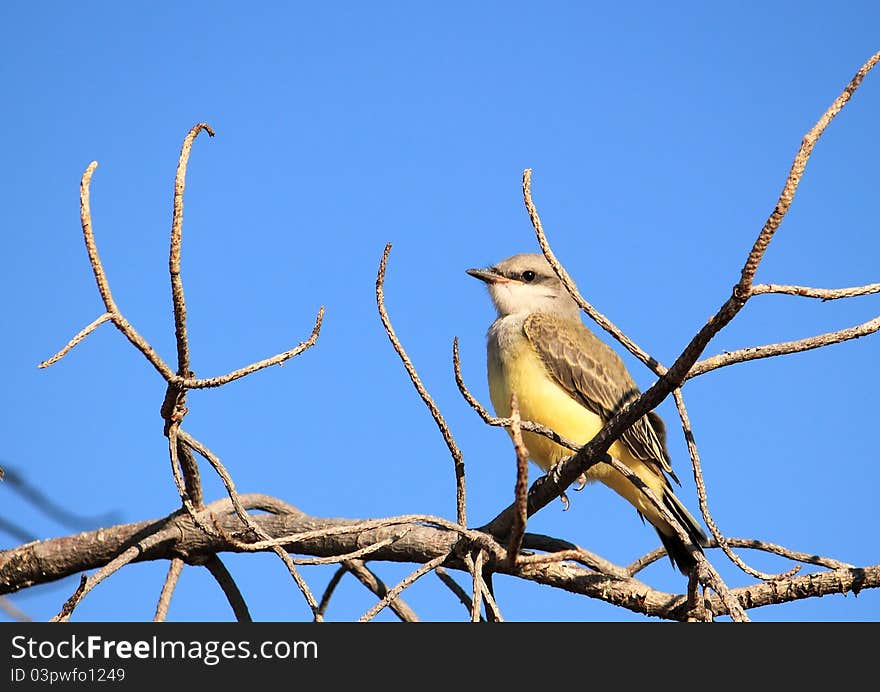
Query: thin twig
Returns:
{"type": "Point", "coordinates": [489, 419]}
{"type": "Point", "coordinates": [736, 611]}
{"type": "Point", "coordinates": [328, 592]}
{"type": "Point", "coordinates": [280, 359]}
{"type": "Point", "coordinates": [697, 611]}
{"type": "Point", "coordinates": [455, 587]}
{"type": "Point", "coordinates": [571, 287]}
{"type": "Point", "coordinates": [174, 406]}
{"type": "Point", "coordinates": [460, 502]}
{"type": "Point", "coordinates": [174, 449]}
{"type": "Point", "coordinates": [174, 253]}
{"type": "Point", "coordinates": [704, 503]}
{"type": "Point", "coordinates": [637, 566]}
{"type": "Point", "coordinates": [233, 594]}
{"type": "Point", "coordinates": [117, 563]}
{"type": "Point", "coordinates": [783, 348]}
{"type": "Point", "coordinates": [404, 583]}
{"type": "Point", "coordinates": [197, 446]}
{"type": "Point", "coordinates": [103, 285]}
{"type": "Point", "coordinates": [491, 604]}
{"type": "Point", "coordinates": [807, 558]}
{"type": "Point", "coordinates": [371, 580]}
{"type": "Point", "coordinates": [85, 214]}
{"type": "Point", "coordinates": [189, 465]}
{"type": "Point", "coordinates": [573, 554]}
{"type": "Point", "coordinates": [786, 197]}
{"type": "Point", "coordinates": [536, 541]}
{"type": "Point", "coordinates": [475, 565]}
{"type": "Point", "coordinates": [175, 567]}
{"type": "Point", "coordinates": [820, 293]}
{"type": "Point", "coordinates": [521, 488]}
{"type": "Point", "coordinates": [355, 554]}
{"type": "Point", "coordinates": [82, 334]}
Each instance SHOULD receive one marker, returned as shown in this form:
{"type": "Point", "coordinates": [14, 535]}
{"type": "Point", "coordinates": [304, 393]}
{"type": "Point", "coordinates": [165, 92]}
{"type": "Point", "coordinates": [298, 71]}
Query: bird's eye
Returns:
{"type": "Point", "coordinates": [528, 275]}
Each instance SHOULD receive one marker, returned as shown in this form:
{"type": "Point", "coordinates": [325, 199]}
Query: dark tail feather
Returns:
{"type": "Point", "coordinates": [677, 550]}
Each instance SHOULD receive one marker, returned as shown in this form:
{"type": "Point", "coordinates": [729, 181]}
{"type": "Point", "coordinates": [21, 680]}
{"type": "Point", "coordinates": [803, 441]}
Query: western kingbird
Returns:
{"type": "Point", "coordinates": [567, 379]}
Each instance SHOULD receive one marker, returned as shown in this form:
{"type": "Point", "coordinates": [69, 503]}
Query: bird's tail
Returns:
{"type": "Point", "coordinates": [676, 548]}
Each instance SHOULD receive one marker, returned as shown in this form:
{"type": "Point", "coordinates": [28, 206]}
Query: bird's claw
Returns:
{"type": "Point", "coordinates": [565, 502]}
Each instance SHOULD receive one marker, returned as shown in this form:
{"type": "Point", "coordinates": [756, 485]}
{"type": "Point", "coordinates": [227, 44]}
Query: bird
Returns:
{"type": "Point", "coordinates": [569, 380]}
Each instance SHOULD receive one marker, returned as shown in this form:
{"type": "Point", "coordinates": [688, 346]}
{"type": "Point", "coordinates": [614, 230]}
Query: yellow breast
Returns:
{"type": "Point", "coordinates": [518, 369]}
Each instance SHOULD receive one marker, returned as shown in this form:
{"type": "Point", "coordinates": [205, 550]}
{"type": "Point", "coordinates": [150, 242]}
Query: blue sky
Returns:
{"type": "Point", "coordinates": [659, 138]}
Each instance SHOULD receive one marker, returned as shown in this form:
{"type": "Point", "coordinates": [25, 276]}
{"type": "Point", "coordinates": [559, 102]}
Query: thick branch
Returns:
{"type": "Point", "coordinates": [53, 559]}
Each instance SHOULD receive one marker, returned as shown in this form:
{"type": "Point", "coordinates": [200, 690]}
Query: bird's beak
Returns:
{"type": "Point", "coordinates": [490, 276]}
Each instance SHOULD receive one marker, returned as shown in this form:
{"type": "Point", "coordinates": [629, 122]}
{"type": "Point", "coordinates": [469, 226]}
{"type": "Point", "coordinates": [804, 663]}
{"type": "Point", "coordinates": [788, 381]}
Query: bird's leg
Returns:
{"type": "Point", "coordinates": [554, 474]}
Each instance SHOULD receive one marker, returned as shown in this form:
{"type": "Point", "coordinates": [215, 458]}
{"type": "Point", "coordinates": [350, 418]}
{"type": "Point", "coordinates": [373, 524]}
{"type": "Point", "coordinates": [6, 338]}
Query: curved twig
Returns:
{"type": "Point", "coordinates": [820, 293]}
{"type": "Point", "coordinates": [744, 287]}
{"type": "Point", "coordinates": [396, 590]}
{"type": "Point", "coordinates": [175, 567]}
{"type": "Point", "coordinates": [783, 348]}
{"type": "Point", "coordinates": [704, 503]}
{"type": "Point", "coordinates": [174, 253]}
{"type": "Point", "coordinates": [461, 510]}
{"type": "Point", "coordinates": [230, 589]}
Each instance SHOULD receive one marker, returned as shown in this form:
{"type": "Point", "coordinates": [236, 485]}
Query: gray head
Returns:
{"type": "Point", "coordinates": [524, 284]}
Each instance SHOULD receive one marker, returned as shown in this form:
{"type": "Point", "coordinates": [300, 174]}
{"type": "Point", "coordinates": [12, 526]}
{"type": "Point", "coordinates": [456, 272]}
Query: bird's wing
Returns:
{"type": "Point", "coordinates": [594, 375]}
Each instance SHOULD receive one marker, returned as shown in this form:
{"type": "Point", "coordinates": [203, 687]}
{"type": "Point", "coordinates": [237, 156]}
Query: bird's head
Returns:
{"type": "Point", "coordinates": [526, 283]}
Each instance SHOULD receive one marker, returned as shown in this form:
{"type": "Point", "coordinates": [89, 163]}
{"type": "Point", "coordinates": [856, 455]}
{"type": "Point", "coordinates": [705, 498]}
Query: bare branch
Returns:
{"type": "Point", "coordinates": [570, 286]}
{"type": "Point", "coordinates": [492, 608]}
{"type": "Point", "coordinates": [536, 541]}
{"type": "Point", "coordinates": [178, 452]}
{"type": "Point", "coordinates": [82, 334]}
{"type": "Point", "coordinates": [175, 567]}
{"type": "Point", "coordinates": [820, 293]}
{"type": "Point", "coordinates": [353, 555]}
{"type": "Point", "coordinates": [53, 559]}
{"type": "Point", "coordinates": [104, 287]}
{"type": "Point", "coordinates": [494, 421]}
{"type": "Point", "coordinates": [174, 254]}
{"type": "Point", "coordinates": [218, 570]}
{"type": "Point", "coordinates": [807, 558]}
{"type": "Point", "coordinates": [521, 489]}
{"type": "Point", "coordinates": [391, 595]}
{"type": "Point", "coordinates": [87, 584]}
{"type": "Point", "coordinates": [455, 587]}
{"type": "Point", "coordinates": [85, 213]}
{"type": "Point", "coordinates": [280, 359]}
{"type": "Point", "coordinates": [701, 494]}
{"type": "Point", "coordinates": [328, 592]}
{"type": "Point", "coordinates": [197, 446]}
{"type": "Point", "coordinates": [783, 348]}
{"type": "Point", "coordinates": [461, 510]}
{"type": "Point", "coordinates": [786, 197]}
{"type": "Point", "coordinates": [475, 566]}
{"type": "Point", "coordinates": [371, 580]}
